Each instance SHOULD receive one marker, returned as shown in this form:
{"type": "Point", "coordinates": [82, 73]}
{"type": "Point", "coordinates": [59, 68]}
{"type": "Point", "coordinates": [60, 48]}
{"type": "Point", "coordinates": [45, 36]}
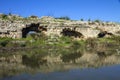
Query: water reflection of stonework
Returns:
{"type": "Point", "coordinates": [16, 64]}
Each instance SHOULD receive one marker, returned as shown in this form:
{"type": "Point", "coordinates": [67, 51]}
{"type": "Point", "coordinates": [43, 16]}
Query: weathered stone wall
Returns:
{"type": "Point", "coordinates": [13, 29]}
{"type": "Point", "coordinates": [10, 29]}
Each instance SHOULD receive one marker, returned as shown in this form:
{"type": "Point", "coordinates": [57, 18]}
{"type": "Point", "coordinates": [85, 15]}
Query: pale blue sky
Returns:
{"type": "Point", "coordinates": [107, 10]}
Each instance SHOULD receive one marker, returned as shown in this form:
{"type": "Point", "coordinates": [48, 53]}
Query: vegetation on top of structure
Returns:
{"type": "Point", "coordinates": [4, 16]}
{"type": "Point", "coordinates": [33, 16]}
{"type": "Point", "coordinates": [63, 17]}
{"type": "Point", "coordinates": [11, 16]}
{"type": "Point", "coordinates": [81, 19]}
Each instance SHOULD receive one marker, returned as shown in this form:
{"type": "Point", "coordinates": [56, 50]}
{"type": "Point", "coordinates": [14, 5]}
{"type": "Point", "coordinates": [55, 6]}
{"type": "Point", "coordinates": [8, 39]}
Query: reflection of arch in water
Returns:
{"type": "Point", "coordinates": [33, 61]}
{"type": "Point", "coordinates": [101, 54]}
{"type": "Point", "coordinates": [69, 32]}
{"type": "Point", "coordinates": [31, 27]}
{"type": "Point", "coordinates": [71, 57]}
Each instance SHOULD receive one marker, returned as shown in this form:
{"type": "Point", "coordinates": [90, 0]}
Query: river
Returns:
{"type": "Point", "coordinates": [75, 65]}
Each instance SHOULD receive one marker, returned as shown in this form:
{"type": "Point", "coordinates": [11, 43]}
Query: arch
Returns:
{"type": "Point", "coordinates": [31, 27]}
{"type": "Point", "coordinates": [104, 33]}
{"type": "Point", "coordinates": [71, 33]}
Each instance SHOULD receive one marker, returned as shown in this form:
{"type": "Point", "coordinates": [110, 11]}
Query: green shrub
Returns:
{"type": "Point", "coordinates": [33, 16]}
{"type": "Point", "coordinates": [98, 21]}
{"type": "Point", "coordinates": [115, 38]}
{"type": "Point", "coordinates": [66, 39]}
{"type": "Point", "coordinates": [4, 16]}
{"type": "Point", "coordinates": [4, 41]}
{"type": "Point", "coordinates": [81, 19]}
{"type": "Point", "coordinates": [76, 44]}
{"type": "Point", "coordinates": [64, 17]}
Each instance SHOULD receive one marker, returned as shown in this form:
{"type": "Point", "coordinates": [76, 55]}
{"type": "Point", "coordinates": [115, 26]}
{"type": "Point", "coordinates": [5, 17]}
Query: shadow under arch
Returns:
{"type": "Point", "coordinates": [71, 33]}
{"type": "Point", "coordinates": [104, 33]}
{"type": "Point", "coordinates": [32, 27]}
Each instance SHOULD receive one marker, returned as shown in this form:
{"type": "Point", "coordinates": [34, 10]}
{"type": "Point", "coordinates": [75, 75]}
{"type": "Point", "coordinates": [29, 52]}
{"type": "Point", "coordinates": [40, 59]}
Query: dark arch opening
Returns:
{"type": "Point", "coordinates": [103, 34]}
{"type": "Point", "coordinates": [31, 27]}
{"type": "Point", "coordinates": [71, 33]}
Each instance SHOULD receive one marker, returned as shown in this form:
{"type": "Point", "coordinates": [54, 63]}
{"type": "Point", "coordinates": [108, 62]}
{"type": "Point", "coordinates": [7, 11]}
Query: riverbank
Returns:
{"type": "Point", "coordinates": [61, 43]}
{"type": "Point", "coordinates": [55, 58]}
{"type": "Point", "coordinates": [44, 54]}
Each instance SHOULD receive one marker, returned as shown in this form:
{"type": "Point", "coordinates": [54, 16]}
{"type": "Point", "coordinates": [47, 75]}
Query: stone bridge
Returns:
{"type": "Point", "coordinates": [20, 29]}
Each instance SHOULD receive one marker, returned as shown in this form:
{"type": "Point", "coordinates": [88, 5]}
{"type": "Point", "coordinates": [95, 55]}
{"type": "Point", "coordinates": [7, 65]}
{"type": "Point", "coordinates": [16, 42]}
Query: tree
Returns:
{"type": "Point", "coordinates": [33, 16]}
{"type": "Point", "coordinates": [82, 19]}
{"type": "Point", "coordinates": [4, 16]}
{"type": "Point", "coordinates": [64, 17]}
{"type": "Point", "coordinates": [98, 21]}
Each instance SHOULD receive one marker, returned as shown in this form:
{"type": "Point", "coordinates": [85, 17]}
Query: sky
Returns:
{"type": "Point", "coordinates": [105, 10]}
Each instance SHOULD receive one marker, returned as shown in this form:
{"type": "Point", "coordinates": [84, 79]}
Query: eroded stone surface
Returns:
{"type": "Point", "coordinates": [13, 26]}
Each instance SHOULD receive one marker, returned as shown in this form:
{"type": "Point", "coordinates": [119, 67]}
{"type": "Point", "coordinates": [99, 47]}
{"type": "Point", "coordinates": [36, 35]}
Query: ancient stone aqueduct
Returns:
{"type": "Point", "coordinates": [55, 27]}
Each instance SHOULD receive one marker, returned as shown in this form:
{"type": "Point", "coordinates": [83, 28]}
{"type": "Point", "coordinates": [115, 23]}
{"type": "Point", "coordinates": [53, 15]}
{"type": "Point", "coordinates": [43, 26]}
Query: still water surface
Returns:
{"type": "Point", "coordinates": [104, 73]}
{"type": "Point", "coordinates": [86, 65]}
